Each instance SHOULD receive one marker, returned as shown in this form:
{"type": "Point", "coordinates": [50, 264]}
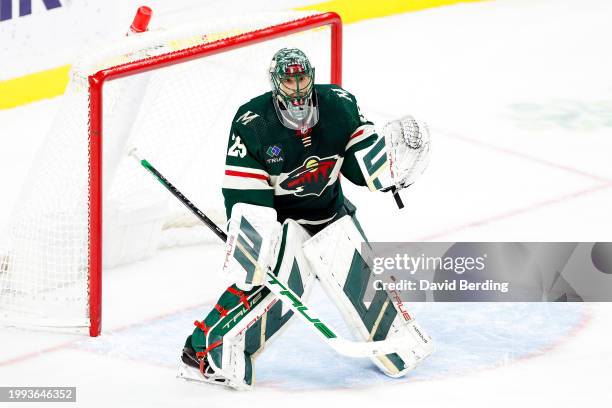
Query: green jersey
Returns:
{"type": "Point", "coordinates": [296, 172]}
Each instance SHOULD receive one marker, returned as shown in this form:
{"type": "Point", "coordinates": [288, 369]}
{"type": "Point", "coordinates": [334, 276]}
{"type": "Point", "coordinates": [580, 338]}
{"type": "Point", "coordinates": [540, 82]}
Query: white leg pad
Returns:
{"type": "Point", "coordinates": [267, 317]}
{"type": "Point", "coordinates": [335, 256]}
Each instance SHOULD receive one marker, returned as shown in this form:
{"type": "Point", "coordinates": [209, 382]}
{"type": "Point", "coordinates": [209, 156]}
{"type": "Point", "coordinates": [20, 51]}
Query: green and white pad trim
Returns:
{"type": "Point", "coordinates": [244, 322]}
{"type": "Point", "coordinates": [335, 256]}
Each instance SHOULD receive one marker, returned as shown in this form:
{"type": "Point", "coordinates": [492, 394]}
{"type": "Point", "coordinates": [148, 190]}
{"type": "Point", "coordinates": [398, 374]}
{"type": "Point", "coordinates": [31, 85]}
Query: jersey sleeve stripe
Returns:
{"type": "Point", "coordinates": [245, 174]}
{"type": "Point", "coordinates": [245, 183]}
{"type": "Point", "coordinates": [362, 133]}
{"type": "Point", "coordinates": [357, 133]}
{"type": "Point", "coordinates": [250, 170]}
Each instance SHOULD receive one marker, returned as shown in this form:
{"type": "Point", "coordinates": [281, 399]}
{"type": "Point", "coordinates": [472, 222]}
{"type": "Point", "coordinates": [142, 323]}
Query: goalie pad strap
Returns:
{"type": "Point", "coordinates": [202, 326]}
{"type": "Point", "coordinates": [202, 354]}
{"type": "Point", "coordinates": [222, 312]}
{"type": "Point", "coordinates": [240, 295]}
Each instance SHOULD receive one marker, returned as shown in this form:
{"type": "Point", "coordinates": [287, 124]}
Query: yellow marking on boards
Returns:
{"type": "Point", "coordinates": [52, 82]}
{"type": "Point", "coordinates": [33, 87]}
{"type": "Point", "coordinates": [352, 11]}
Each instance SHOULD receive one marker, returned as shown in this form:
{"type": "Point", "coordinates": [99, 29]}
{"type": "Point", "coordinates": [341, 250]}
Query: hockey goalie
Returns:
{"type": "Point", "coordinates": [287, 149]}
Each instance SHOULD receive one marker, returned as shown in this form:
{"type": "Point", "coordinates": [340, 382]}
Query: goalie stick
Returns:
{"type": "Point", "coordinates": [397, 197]}
{"type": "Point", "coordinates": [283, 292]}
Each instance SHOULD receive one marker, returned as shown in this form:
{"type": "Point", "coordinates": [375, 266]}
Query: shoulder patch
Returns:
{"type": "Point", "coordinates": [246, 117]}
{"type": "Point", "coordinates": [341, 93]}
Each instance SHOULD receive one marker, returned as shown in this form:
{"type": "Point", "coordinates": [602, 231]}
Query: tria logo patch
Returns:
{"type": "Point", "coordinates": [274, 154]}
{"type": "Point", "coordinates": [273, 151]}
{"type": "Point", "coordinates": [311, 178]}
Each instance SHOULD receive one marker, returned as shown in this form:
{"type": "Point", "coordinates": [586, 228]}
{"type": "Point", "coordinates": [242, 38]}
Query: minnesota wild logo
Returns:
{"type": "Point", "coordinates": [311, 178]}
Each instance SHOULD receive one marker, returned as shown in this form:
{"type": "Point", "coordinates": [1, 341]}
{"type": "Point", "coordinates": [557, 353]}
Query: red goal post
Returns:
{"type": "Point", "coordinates": [96, 85]}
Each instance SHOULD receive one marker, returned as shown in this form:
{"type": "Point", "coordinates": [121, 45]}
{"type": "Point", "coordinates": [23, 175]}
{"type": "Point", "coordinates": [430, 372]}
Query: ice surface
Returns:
{"type": "Point", "coordinates": [519, 98]}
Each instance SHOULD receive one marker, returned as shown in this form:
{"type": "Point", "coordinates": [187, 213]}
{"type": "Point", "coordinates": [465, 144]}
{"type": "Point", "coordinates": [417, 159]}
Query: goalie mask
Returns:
{"type": "Point", "coordinates": [294, 97]}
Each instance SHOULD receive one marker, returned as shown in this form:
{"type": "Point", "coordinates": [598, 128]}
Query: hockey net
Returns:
{"type": "Point", "coordinates": [172, 95]}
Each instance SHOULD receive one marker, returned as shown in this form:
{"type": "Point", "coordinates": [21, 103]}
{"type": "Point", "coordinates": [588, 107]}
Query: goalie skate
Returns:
{"type": "Point", "coordinates": [190, 371]}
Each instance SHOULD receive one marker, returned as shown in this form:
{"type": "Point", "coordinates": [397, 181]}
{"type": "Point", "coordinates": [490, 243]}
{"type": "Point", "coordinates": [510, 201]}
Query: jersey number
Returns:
{"type": "Point", "coordinates": [238, 149]}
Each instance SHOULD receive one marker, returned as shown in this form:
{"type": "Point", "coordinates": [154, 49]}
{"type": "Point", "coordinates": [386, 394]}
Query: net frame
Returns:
{"type": "Point", "coordinates": [96, 84]}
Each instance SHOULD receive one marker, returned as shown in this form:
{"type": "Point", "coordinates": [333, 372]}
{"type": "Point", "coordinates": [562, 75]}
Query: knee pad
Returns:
{"type": "Point", "coordinates": [335, 256]}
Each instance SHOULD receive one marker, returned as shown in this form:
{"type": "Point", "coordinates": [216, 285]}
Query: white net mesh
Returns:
{"type": "Point", "coordinates": [178, 118]}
